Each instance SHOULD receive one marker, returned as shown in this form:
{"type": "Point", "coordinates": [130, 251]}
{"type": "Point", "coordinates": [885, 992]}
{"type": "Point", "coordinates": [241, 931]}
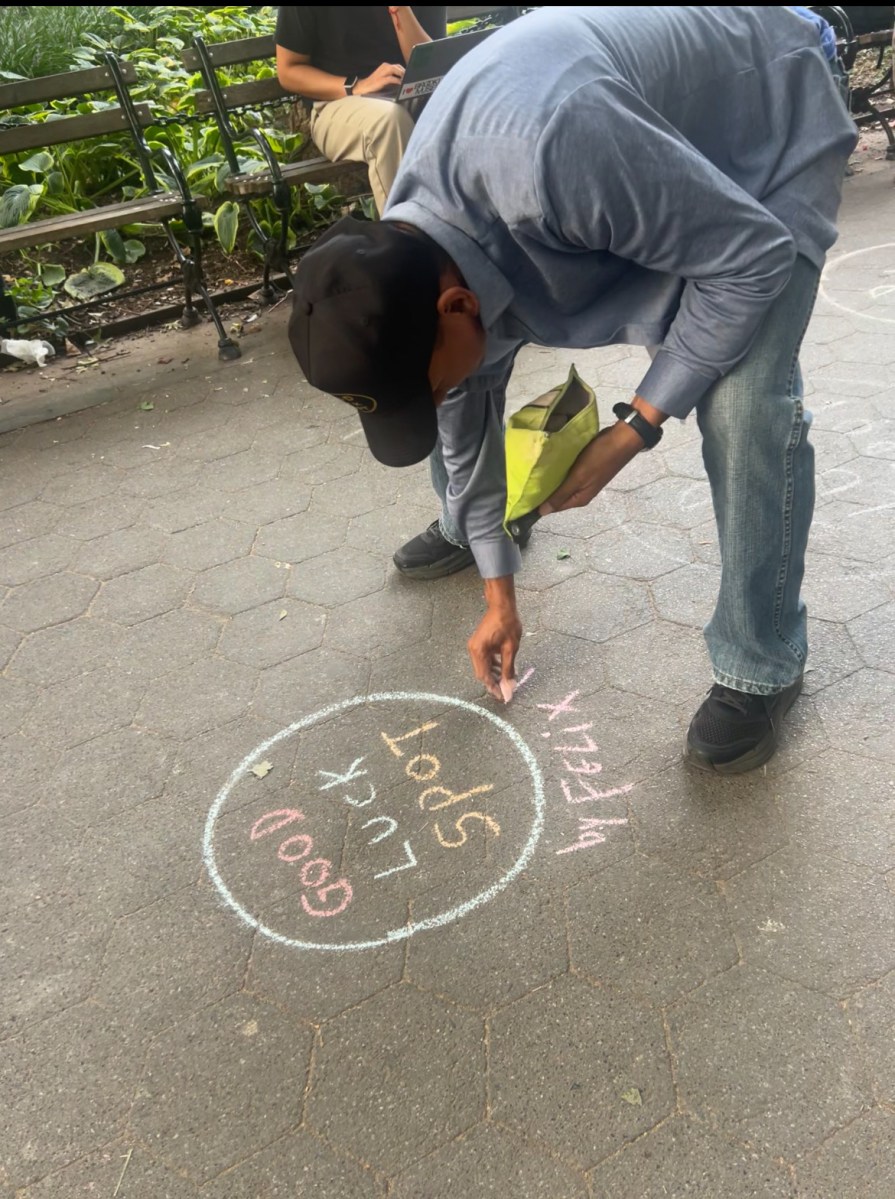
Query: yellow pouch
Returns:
{"type": "Point", "coordinates": [542, 441]}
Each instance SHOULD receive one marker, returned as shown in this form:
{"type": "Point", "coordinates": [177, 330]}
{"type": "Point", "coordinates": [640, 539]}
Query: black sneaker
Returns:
{"type": "Point", "coordinates": [432, 556]}
{"type": "Point", "coordinates": [734, 732]}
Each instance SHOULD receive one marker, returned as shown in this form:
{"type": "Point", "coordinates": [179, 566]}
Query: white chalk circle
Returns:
{"type": "Point", "coordinates": [846, 277]}
{"type": "Point", "coordinates": [404, 931]}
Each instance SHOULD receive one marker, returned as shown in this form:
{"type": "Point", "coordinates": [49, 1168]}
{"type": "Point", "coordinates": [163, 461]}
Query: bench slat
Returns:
{"type": "Point", "coordinates": [93, 220]}
{"type": "Point", "coordinates": [37, 135]}
{"type": "Point", "coordinates": [60, 87]}
{"type": "Point", "coordinates": [226, 54]}
{"type": "Point", "coordinates": [312, 170]}
{"type": "Point", "coordinates": [254, 91]}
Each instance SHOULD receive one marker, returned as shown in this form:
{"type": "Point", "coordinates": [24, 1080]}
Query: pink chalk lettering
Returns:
{"type": "Point", "coordinates": [525, 677]}
{"type": "Point", "coordinates": [589, 834]}
{"type": "Point", "coordinates": [340, 886]}
{"type": "Point", "coordinates": [563, 706]}
{"type": "Point", "coordinates": [591, 794]}
{"type": "Point", "coordinates": [320, 866]}
{"type": "Point", "coordinates": [590, 748]}
{"type": "Point", "coordinates": [286, 855]}
{"type": "Point", "coordinates": [584, 768]}
{"type": "Point", "coordinates": [277, 820]}
{"type": "Point", "coordinates": [339, 780]}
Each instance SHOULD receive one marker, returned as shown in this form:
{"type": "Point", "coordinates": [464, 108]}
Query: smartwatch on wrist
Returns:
{"type": "Point", "coordinates": [350, 85]}
{"type": "Point", "coordinates": [649, 434]}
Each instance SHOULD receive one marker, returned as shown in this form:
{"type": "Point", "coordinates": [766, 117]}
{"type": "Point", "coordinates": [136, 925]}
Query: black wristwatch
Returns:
{"type": "Point", "coordinates": [350, 85]}
{"type": "Point", "coordinates": [649, 434]}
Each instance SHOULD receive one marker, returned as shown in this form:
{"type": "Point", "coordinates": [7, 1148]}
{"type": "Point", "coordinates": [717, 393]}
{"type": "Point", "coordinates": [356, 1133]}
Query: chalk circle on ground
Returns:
{"type": "Point", "coordinates": [343, 844]}
{"type": "Point", "coordinates": [862, 283]}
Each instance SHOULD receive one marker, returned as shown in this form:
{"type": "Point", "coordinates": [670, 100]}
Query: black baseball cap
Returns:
{"type": "Point", "coordinates": [363, 329]}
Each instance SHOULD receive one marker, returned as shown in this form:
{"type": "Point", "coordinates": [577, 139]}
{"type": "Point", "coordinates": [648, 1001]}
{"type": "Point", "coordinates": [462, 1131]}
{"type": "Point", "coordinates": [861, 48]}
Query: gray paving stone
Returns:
{"type": "Point", "coordinates": [93, 1058]}
{"type": "Point", "coordinates": [744, 1065]}
{"type": "Point", "coordinates": [872, 1013]}
{"type": "Point", "coordinates": [803, 739]}
{"type": "Point", "coordinates": [648, 931]}
{"type": "Point", "coordinates": [687, 596]}
{"type": "Point", "coordinates": [264, 503]}
{"type": "Point", "coordinates": [35, 559]}
{"type": "Point", "coordinates": [841, 805]}
{"type": "Point", "coordinates": [100, 1172]}
{"type": "Point", "coordinates": [207, 545]}
{"type": "Point", "coordinates": [79, 709]}
{"type": "Point", "coordinates": [27, 521]}
{"type": "Point", "coordinates": [81, 486]}
{"type": "Point", "coordinates": [489, 1161]}
{"type": "Point", "coordinates": [9, 643]}
{"type": "Point", "coordinates": [206, 760]}
{"type": "Point", "coordinates": [832, 655]}
{"type": "Point", "coordinates": [337, 578]}
{"type": "Point", "coordinates": [659, 660]}
{"type": "Point", "coordinates": [66, 650]}
{"type": "Point", "coordinates": [298, 1166]}
{"type": "Point", "coordinates": [607, 511]}
{"type": "Point", "coordinates": [367, 490]}
{"type": "Point", "coordinates": [161, 478]}
{"type": "Point", "coordinates": [240, 585]}
{"type": "Point", "coordinates": [200, 697]}
{"type": "Point", "coordinates": [172, 959]}
{"type": "Point", "coordinates": [290, 436]}
{"type": "Point", "coordinates": [639, 551]}
{"type": "Point", "coordinates": [857, 713]}
{"type": "Point", "coordinates": [188, 1109]}
{"type": "Point", "coordinates": [98, 517]}
{"type": "Point", "coordinates": [273, 633]}
{"type": "Point", "coordinates": [103, 778]}
{"type": "Point", "coordinates": [219, 442]}
{"type": "Point", "coordinates": [121, 552]}
{"type": "Point", "coordinates": [51, 961]}
{"type": "Point", "coordinates": [680, 502]}
{"type": "Point", "coordinates": [873, 635]}
{"type": "Point", "coordinates": [188, 508]}
{"type": "Point", "coordinates": [372, 1092]}
{"type": "Point", "coordinates": [17, 698]}
{"type": "Point", "coordinates": [550, 559]}
{"type": "Point", "coordinates": [495, 954]}
{"type": "Point", "coordinates": [24, 766]}
{"type": "Point", "coordinates": [297, 538]}
{"type": "Point", "coordinates": [440, 662]}
{"type": "Point", "coordinates": [37, 846]}
{"type": "Point", "coordinates": [856, 1161]}
{"type": "Point", "coordinates": [47, 602]}
{"type": "Point", "coordinates": [168, 642]}
{"type": "Point", "coordinates": [320, 463]}
{"type": "Point", "coordinates": [142, 594]}
{"type": "Point", "coordinates": [314, 985]}
{"type": "Point", "coordinates": [706, 824]}
{"type": "Point", "coordinates": [831, 450]}
{"type": "Point", "coordinates": [683, 1159]}
{"type": "Point", "coordinates": [595, 608]}
{"type": "Point", "coordinates": [584, 1050]}
{"type": "Point", "coordinates": [384, 530]}
{"type": "Point", "coordinates": [303, 685]}
{"type": "Point", "coordinates": [876, 439]}
{"type": "Point", "coordinates": [399, 616]}
{"type": "Point", "coordinates": [847, 530]}
{"type": "Point", "coordinates": [248, 468]}
{"type": "Point", "coordinates": [704, 540]}
{"type": "Point", "coordinates": [838, 589]}
{"type": "Point", "coordinates": [860, 481]}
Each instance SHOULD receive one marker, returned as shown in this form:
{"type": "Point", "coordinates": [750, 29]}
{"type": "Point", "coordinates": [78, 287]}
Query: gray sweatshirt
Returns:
{"type": "Point", "coordinates": [637, 175]}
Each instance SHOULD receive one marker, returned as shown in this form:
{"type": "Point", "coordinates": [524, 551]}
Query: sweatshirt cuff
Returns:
{"type": "Point", "coordinates": [672, 386]}
{"type": "Point", "coordinates": [496, 558]}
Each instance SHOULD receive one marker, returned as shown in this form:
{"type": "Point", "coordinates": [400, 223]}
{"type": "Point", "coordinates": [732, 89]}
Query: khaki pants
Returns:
{"type": "Point", "coordinates": [362, 129]}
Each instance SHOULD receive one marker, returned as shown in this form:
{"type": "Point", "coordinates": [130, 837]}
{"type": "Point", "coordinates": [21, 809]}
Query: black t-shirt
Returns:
{"type": "Point", "coordinates": [350, 39]}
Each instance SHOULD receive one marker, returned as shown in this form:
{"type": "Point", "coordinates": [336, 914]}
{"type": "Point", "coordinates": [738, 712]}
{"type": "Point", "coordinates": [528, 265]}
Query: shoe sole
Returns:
{"type": "Point", "coordinates": [761, 753]}
{"type": "Point", "coordinates": [436, 570]}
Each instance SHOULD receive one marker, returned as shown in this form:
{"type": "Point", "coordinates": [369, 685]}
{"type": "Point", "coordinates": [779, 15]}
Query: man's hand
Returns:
{"type": "Point", "coordinates": [386, 75]}
{"type": "Point", "coordinates": [600, 461]}
{"type": "Point", "coordinates": [493, 646]}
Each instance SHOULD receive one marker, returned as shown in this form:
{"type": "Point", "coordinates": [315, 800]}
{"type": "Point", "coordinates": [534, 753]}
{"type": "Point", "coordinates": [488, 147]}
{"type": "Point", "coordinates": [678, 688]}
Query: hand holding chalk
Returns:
{"type": "Point", "coordinates": [492, 647]}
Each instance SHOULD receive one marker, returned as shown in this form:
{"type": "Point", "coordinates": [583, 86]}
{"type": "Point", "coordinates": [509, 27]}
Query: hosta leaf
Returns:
{"type": "Point", "coordinates": [226, 223]}
{"type": "Point", "coordinates": [94, 281]}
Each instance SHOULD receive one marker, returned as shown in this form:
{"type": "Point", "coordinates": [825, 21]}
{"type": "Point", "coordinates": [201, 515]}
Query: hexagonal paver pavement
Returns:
{"type": "Point", "coordinates": [661, 659]}
{"type": "Point", "coordinates": [9, 642]}
{"type": "Point", "coordinates": [29, 520]}
{"type": "Point", "coordinates": [186, 702]}
{"type": "Point", "coordinates": [297, 1166]}
{"type": "Point", "coordinates": [17, 698]}
{"type": "Point", "coordinates": [24, 766]}
{"type": "Point", "coordinates": [744, 1065]}
{"type": "Point", "coordinates": [168, 642]}
{"type": "Point", "coordinates": [47, 602]}
{"type": "Point", "coordinates": [121, 552]}
{"type": "Point", "coordinates": [298, 538]}
{"type": "Point", "coordinates": [856, 1161]}
{"type": "Point", "coordinates": [597, 1071]}
{"type": "Point", "coordinates": [35, 559]}
{"type": "Point", "coordinates": [207, 545]}
{"type": "Point", "coordinates": [392, 619]}
{"type": "Point", "coordinates": [857, 713]}
{"type": "Point", "coordinates": [595, 608]}
{"type": "Point", "coordinates": [114, 1166]}
{"type": "Point", "coordinates": [226, 1079]}
{"type": "Point", "coordinates": [872, 634]}
{"type": "Point", "coordinates": [150, 591]}
{"type": "Point", "coordinates": [398, 1076]}
{"type": "Point", "coordinates": [683, 1158]}
{"type": "Point", "coordinates": [302, 685]}
{"type": "Point", "coordinates": [687, 595]}
{"type": "Point", "coordinates": [648, 931]}
{"type": "Point", "coordinates": [66, 650]}
{"type": "Point", "coordinates": [489, 1161]}
{"type": "Point", "coordinates": [872, 1012]}
{"type": "Point", "coordinates": [273, 633]}
{"type": "Point", "coordinates": [240, 585]}
{"type": "Point", "coordinates": [329, 583]}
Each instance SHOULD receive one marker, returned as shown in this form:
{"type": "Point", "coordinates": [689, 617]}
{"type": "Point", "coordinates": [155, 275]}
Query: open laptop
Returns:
{"type": "Point", "coordinates": [428, 64]}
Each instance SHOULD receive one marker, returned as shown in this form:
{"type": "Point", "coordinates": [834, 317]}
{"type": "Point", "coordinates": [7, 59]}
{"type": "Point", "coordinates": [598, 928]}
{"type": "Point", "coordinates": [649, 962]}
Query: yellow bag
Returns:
{"type": "Point", "coordinates": [542, 441]}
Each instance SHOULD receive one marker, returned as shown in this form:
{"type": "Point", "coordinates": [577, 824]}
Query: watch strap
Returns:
{"type": "Point", "coordinates": [649, 434]}
{"type": "Point", "coordinates": [350, 85]}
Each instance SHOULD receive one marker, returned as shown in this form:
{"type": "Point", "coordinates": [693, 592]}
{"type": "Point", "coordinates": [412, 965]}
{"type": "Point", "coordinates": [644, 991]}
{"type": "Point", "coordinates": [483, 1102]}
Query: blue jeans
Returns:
{"type": "Point", "coordinates": [760, 466]}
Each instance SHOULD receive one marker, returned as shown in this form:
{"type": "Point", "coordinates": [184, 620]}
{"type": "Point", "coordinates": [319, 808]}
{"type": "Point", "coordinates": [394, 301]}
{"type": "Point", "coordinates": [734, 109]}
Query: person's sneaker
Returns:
{"type": "Point", "coordinates": [432, 556]}
{"type": "Point", "coordinates": [734, 732]}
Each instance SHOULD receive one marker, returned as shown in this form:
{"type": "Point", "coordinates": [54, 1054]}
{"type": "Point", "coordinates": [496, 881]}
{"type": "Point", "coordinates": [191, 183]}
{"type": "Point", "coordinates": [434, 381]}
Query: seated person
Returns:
{"type": "Point", "coordinates": [340, 58]}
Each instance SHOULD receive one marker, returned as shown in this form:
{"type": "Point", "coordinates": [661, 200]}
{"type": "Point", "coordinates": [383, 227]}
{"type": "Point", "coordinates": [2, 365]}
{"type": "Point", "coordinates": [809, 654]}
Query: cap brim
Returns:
{"type": "Point", "coordinates": [402, 438]}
